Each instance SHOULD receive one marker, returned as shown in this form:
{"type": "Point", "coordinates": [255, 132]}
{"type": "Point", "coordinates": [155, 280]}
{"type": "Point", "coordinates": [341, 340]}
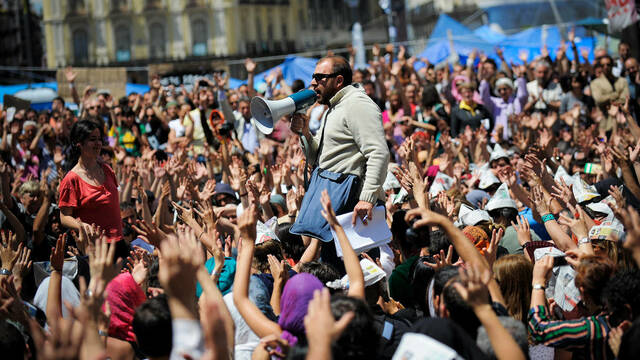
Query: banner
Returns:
{"type": "Point", "coordinates": [622, 13]}
{"type": "Point", "coordinates": [112, 79]}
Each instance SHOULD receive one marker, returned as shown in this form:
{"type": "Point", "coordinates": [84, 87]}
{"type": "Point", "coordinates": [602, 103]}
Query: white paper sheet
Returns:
{"type": "Point", "coordinates": [414, 346]}
{"type": "Point", "coordinates": [364, 237]}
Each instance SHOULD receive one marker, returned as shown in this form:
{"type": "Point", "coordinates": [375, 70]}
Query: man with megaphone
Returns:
{"type": "Point", "coordinates": [349, 153]}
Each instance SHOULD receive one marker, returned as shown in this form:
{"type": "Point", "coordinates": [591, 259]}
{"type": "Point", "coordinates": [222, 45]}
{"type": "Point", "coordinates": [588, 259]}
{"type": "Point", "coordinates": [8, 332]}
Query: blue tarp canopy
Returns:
{"type": "Point", "coordinates": [13, 89]}
{"type": "Point", "coordinates": [533, 39]}
{"type": "Point", "coordinates": [485, 39]}
{"type": "Point", "coordinates": [515, 15]}
{"type": "Point", "coordinates": [464, 41]}
{"type": "Point", "coordinates": [293, 67]}
{"type": "Point", "coordinates": [488, 34]}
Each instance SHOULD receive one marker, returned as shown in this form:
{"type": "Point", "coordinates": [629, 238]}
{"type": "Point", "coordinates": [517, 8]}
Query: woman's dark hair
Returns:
{"type": "Point", "coordinates": [504, 216]}
{"type": "Point", "coordinates": [359, 340]}
{"type": "Point", "coordinates": [152, 326]}
{"type": "Point", "coordinates": [323, 271]}
{"type": "Point", "coordinates": [440, 241]}
{"type": "Point", "coordinates": [80, 132]}
{"type": "Point", "coordinates": [420, 276]}
{"type": "Point", "coordinates": [592, 275]}
{"type": "Point", "coordinates": [430, 96]}
{"type": "Point", "coordinates": [262, 250]}
{"type": "Point", "coordinates": [291, 243]}
{"type": "Point", "coordinates": [12, 342]}
{"type": "Point", "coordinates": [622, 296]}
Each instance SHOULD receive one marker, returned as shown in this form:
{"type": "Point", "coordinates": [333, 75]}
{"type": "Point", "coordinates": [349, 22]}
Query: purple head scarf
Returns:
{"type": "Point", "coordinates": [297, 293]}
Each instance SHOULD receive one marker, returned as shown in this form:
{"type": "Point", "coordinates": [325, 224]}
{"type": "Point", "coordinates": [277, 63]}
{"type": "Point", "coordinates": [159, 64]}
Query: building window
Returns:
{"type": "Point", "coordinates": [156, 41]}
{"type": "Point", "coordinates": [269, 36]}
{"type": "Point", "coordinates": [80, 46]}
{"type": "Point", "coordinates": [199, 36]}
{"type": "Point", "coordinates": [154, 4]}
{"type": "Point", "coordinates": [123, 43]}
{"type": "Point", "coordinates": [119, 6]}
{"type": "Point", "coordinates": [77, 7]}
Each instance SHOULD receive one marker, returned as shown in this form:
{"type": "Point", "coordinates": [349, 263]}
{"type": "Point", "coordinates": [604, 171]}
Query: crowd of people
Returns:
{"type": "Point", "coordinates": [157, 225]}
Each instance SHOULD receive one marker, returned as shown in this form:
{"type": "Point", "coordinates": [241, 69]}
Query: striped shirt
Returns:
{"type": "Point", "coordinates": [586, 336]}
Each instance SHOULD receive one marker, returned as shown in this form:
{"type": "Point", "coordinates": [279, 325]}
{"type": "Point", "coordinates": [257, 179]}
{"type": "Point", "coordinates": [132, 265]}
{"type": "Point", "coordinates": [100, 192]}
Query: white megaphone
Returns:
{"type": "Point", "coordinates": [265, 111]}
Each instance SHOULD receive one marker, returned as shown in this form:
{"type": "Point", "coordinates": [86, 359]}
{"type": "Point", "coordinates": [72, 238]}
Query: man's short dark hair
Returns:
{"type": "Point", "coordinates": [622, 296]}
{"type": "Point", "coordinates": [341, 67]}
{"type": "Point", "coordinates": [59, 98]}
{"type": "Point", "coordinates": [360, 339]}
{"type": "Point", "coordinates": [605, 56]}
{"type": "Point", "coordinates": [492, 62]}
{"type": "Point", "coordinates": [323, 271]}
{"type": "Point", "coordinates": [12, 343]}
{"type": "Point", "coordinates": [152, 326]}
{"type": "Point", "coordinates": [297, 85]}
{"type": "Point", "coordinates": [459, 310]}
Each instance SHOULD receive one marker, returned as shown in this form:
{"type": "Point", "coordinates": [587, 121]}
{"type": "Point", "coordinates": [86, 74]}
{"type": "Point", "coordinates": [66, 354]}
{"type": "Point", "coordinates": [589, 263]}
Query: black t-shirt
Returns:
{"type": "Point", "coordinates": [390, 328]}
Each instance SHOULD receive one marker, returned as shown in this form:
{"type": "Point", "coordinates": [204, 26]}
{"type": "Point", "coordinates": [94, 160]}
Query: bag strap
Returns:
{"type": "Point", "coordinates": [317, 159]}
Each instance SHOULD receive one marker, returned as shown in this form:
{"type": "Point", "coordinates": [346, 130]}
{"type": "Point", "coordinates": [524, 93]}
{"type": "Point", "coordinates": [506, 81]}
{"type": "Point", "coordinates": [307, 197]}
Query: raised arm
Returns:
{"type": "Point", "coordinates": [257, 321]}
{"type": "Point", "coordinates": [351, 262]}
{"type": "Point", "coordinates": [250, 66]}
{"type": "Point", "coordinates": [473, 290]}
{"type": "Point", "coordinates": [54, 296]}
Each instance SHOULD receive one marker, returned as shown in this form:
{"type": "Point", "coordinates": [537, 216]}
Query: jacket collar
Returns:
{"type": "Point", "coordinates": [342, 93]}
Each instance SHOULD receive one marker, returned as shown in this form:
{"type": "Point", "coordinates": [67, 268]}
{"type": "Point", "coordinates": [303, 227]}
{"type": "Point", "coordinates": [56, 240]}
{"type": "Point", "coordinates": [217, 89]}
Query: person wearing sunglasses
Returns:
{"type": "Point", "coordinates": [350, 141]}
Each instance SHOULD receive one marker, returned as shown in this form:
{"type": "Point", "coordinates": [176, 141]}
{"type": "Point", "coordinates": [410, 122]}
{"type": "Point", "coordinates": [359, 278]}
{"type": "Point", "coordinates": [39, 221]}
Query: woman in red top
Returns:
{"type": "Point", "coordinates": [89, 191]}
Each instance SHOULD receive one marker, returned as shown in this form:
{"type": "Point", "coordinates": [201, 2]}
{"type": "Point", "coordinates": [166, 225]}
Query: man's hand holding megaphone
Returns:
{"type": "Point", "coordinates": [300, 124]}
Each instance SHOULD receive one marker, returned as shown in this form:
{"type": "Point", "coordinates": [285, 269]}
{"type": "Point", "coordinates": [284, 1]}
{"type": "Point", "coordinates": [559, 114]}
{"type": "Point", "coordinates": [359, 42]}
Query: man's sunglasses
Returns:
{"type": "Point", "coordinates": [320, 77]}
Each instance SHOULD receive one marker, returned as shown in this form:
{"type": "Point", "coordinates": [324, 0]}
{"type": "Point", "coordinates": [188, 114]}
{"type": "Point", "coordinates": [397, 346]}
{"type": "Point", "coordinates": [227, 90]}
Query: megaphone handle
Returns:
{"type": "Point", "coordinates": [303, 112]}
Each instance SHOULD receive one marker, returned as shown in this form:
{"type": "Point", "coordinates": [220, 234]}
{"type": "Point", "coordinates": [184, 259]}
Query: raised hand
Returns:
{"type": "Point", "coordinates": [578, 226]}
{"type": "Point", "coordinates": [542, 270]}
{"type": "Point", "coordinates": [279, 270]}
{"type": "Point", "coordinates": [292, 205]}
{"type": "Point", "coordinates": [441, 260]}
{"type": "Point", "coordinates": [473, 286]}
{"type": "Point", "coordinates": [563, 192]}
{"type": "Point", "coordinates": [138, 265]}
{"type": "Point", "coordinates": [250, 66]}
{"type": "Point", "coordinates": [9, 250]}
{"type": "Point", "coordinates": [150, 233]}
{"type": "Point", "coordinates": [247, 223]}
{"type": "Point", "coordinates": [69, 74]}
{"type": "Point", "coordinates": [537, 197]}
{"type": "Point", "coordinates": [490, 253]}
{"type": "Point", "coordinates": [214, 332]}
{"type": "Point", "coordinates": [523, 230]}
{"type": "Point", "coordinates": [327, 210]}
{"type": "Point", "coordinates": [57, 254]}
{"type": "Point", "coordinates": [616, 193]}
{"type": "Point", "coordinates": [181, 258]}
{"type": "Point", "coordinates": [101, 264]}
{"type": "Point", "coordinates": [21, 267]}
{"type": "Point", "coordinates": [321, 327]}
{"type": "Point", "coordinates": [208, 190]}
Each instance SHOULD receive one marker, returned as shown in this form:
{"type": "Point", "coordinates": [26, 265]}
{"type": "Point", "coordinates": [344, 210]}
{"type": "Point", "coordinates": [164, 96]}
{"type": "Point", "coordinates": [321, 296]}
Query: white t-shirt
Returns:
{"type": "Point", "coordinates": [177, 126]}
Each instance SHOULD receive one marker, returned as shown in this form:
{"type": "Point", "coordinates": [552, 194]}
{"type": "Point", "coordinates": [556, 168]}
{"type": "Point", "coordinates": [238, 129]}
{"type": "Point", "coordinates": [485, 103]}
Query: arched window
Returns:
{"type": "Point", "coordinates": [80, 46]}
{"type": "Point", "coordinates": [156, 41]}
{"type": "Point", "coordinates": [123, 43]}
{"type": "Point", "coordinates": [199, 36]}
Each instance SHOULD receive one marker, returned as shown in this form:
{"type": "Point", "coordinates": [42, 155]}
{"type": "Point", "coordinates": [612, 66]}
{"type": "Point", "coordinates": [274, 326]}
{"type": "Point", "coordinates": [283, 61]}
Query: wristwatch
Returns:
{"type": "Point", "coordinates": [584, 240]}
{"type": "Point", "coordinates": [5, 272]}
{"type": "Point", "coordinates": [539, 287]}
